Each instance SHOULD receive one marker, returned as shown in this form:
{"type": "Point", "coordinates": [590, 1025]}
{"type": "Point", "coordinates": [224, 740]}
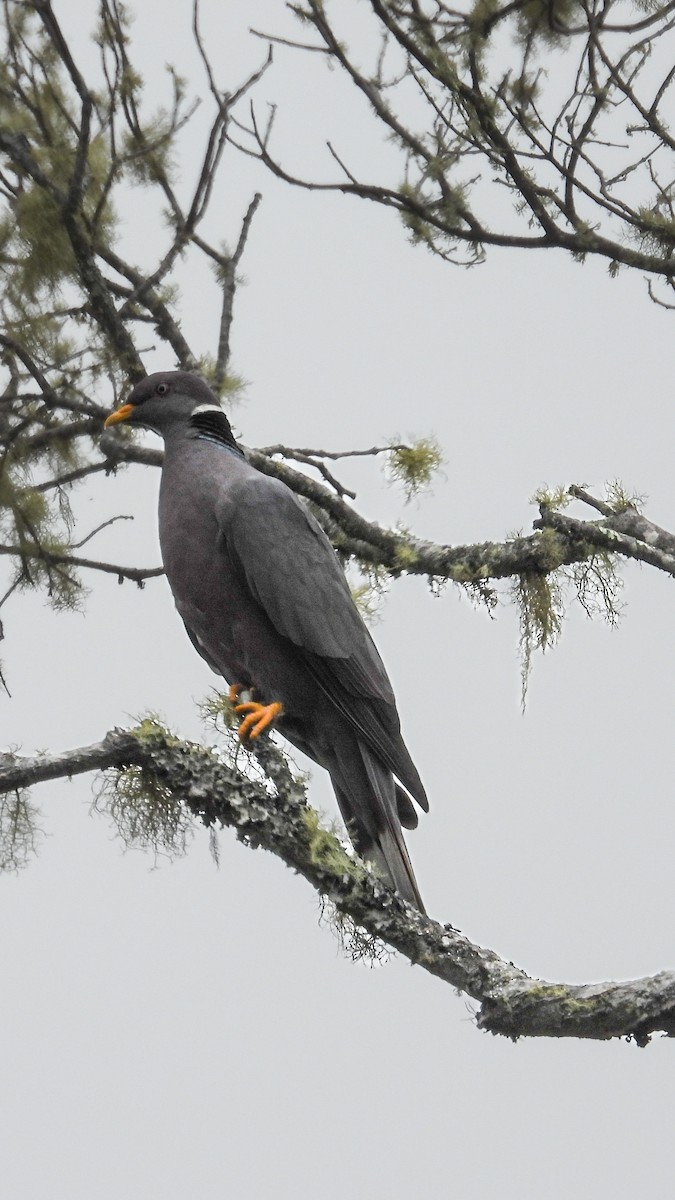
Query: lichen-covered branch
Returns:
{"type": "Point", "coordinates": [558, 541]}
{"type": "Point", "coordinates": [272, 813]}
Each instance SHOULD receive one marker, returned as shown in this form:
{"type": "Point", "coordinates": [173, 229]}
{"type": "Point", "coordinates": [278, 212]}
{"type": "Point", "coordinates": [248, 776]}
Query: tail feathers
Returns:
{"type": "Point", "coordinates": [370, 803]}
{"type": "Point", "coordinates": [390, 840]}
{"type": "Point", "coordinates": [379, 728]}
{"type": "Point", "coordinates": [407, 813]}
{"type": "Point", "coordinates": [392, 861]}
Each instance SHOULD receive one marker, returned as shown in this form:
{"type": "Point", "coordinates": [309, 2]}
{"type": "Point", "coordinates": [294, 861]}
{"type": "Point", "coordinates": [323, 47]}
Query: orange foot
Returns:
{"type": "Point", "coordinates": [259, 717]}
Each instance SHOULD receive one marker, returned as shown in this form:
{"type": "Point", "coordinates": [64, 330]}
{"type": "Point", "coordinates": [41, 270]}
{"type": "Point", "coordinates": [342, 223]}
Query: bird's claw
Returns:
{"type": "Point", "coordinates": [259, 717]}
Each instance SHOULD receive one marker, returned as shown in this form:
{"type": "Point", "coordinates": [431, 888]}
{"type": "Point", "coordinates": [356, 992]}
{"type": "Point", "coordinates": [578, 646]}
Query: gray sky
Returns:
{"type": "Point", "coordinates": [193, 1031]}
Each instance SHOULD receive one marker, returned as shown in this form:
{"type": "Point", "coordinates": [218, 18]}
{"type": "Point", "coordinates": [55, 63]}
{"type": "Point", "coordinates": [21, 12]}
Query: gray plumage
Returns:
{"type": "Point", "coordinates": [266, 603]}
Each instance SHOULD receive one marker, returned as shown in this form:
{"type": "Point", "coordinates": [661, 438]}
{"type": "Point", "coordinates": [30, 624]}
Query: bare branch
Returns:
{"type": "Point", "coordinates": [293, 451]}
{"type": "Point", "coordinates": [583, 174]}
{"type": "Point", "coordinates": [135, 574]}
{"type": "Point", "coordinates": [72, 476]}
{"type": "Point", "coordinates": [104, 525]}
{"type": "Point", "coordinates": [229, 286]}
{"type": "Point", "coordinates": [280, 41]}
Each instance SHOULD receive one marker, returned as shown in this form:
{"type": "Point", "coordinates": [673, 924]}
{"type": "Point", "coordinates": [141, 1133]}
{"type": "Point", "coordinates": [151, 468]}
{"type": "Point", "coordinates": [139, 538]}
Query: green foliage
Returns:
{"type": "Point", "coordinates": [414, 466]}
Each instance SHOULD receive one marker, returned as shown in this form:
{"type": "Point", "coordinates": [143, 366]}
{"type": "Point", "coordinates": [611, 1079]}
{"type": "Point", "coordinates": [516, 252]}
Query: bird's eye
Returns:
{"type": "Point", "coordinates": [162, 389]}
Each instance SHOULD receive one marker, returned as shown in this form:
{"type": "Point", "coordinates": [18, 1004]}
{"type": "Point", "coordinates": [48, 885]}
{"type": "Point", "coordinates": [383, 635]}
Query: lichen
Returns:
{"type": "Point", "coordinates": [325, 850]}
{"type": "Point", "coordinates": [405, 557]}
{"type": "Point", "coordinates": [145, 813]}
{"type": "Point", "coordinates": [598, 587]}
{"type": "Point", "coordinates": [232, 387]}
{"type": "Point", "coordinates": [19, 830]}
{"type": "Point", "coordinates": [555, 498]}
{"type": "Point", "coordinates": [481, 594]}
{"type": "Point", "coordinates": [540, 603]}
{"type": "Point", "coordinates": [355, 942]}
{"type": "Point", "coordinates": [560, 994]}
{"type": "Point", "coordinates": [621, 499]}
{"type": "Point", "coordinates": [217, 710]}
{"type": "Point", "coordinates": [547, 991]}
{"type": "Point", "coordinates": [369, 593]}
{"type": "Point", "coordinates": [414, 465]}
{"type": "Point", "coordinates": [150, 728]}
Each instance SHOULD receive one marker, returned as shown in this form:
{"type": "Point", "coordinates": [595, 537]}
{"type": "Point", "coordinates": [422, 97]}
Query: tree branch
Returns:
{"type": "Point", "coordinates": [511, 1002]}
{"type": "Point", "coordinates": [566, 542]}
{"type": "Point", "coordinates": [52, 558]}
{"type": "Point", "coordinates": [579, 176]}
{"type": "Point", "coordinates": [229, 286]}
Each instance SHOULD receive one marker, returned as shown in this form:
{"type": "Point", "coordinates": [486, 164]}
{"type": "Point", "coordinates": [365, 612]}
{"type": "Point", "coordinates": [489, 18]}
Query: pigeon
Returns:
{"type": "Point", "coordinates": [265, 602]}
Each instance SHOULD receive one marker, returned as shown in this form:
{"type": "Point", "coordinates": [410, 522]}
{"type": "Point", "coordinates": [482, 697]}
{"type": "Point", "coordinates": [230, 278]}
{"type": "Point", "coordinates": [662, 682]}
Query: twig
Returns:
{"type": "Point", "coordinates": [135, 574]}
{"type": "Point", "coordinates": [229, 287]}
{"type": "Point", "coordinates": [103, 525]}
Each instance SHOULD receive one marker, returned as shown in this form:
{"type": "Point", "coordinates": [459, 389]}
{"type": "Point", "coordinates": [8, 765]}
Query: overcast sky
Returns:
{"type": "Point", "coordinates": [194, 1031]}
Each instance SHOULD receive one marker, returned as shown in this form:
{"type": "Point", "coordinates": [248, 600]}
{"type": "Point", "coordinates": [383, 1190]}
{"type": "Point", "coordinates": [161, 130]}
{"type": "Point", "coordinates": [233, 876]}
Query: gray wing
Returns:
{"type": "Point", "coordinates": [293, 573]}
{"type": "Point", "coordinates": [201, 649]}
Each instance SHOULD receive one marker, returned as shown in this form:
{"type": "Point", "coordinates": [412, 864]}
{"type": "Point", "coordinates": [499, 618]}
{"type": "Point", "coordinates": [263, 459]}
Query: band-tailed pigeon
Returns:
{"type": "Point", "coordinates": [266, 603]}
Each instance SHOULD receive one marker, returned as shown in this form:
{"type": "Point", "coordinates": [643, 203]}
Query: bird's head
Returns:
{"type": "Point", "coordinates": [170, 402]}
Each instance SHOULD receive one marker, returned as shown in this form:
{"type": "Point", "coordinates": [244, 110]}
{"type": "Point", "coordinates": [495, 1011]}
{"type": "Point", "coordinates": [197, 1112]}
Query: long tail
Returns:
{"type": "Point", "coordinates": [367, 796]}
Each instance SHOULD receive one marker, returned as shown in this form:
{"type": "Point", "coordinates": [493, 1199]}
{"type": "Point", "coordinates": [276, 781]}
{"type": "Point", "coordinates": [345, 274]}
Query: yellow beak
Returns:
{"type": "Point", "coordinates": [120, 414]}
